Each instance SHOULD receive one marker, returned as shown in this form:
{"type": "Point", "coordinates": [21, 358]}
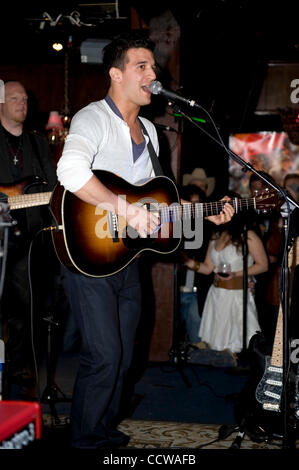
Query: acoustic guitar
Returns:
{"type": "Point", "coordinates": [99, 243]}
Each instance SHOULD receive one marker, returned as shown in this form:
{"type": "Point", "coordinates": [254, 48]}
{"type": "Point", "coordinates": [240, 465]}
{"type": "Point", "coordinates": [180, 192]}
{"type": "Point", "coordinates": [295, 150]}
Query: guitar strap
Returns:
{"type": "Point", "coordinates": [154, 158]}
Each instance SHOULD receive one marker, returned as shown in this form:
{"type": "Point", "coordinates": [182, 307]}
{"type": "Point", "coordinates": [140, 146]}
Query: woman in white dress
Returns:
{"type": "Point", "coordinates": [222, 318]}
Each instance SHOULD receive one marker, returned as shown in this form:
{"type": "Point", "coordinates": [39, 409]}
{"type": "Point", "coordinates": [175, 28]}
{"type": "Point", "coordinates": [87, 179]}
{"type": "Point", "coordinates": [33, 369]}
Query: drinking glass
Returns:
{"type": "Point", "coordinates": [224, 269]}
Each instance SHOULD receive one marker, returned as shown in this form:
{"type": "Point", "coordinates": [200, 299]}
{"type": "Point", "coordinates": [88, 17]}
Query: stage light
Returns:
{"type": "Point", "coordinates": [57, 46]}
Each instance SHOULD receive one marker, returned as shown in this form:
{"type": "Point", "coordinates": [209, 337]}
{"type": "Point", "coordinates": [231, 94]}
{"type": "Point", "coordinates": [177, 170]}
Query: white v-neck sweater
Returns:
{"type": "Point", "coordinates": [100, 140]}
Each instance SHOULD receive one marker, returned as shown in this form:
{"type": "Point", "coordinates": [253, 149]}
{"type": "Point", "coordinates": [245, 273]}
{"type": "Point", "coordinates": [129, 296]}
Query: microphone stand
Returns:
{"type": "Point", "coordinates": [245, 293]}
{"type": "Point", "coordinates": [177, 353]}
{"type": "Point", "coordinates": [284, 290]}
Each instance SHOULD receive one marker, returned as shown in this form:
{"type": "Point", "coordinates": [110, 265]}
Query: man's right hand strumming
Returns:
{"type": "Point", "coordinates": [142, 220]}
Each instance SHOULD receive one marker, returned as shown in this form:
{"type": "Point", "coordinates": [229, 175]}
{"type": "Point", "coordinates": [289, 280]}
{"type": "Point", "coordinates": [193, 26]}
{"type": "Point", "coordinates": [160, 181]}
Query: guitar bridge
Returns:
{"type": "Point", "coordinates": [113, 226]}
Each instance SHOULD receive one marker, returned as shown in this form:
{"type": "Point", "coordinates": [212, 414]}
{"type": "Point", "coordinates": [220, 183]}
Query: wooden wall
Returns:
{"type": "Point", "coordinates": [46, 83]}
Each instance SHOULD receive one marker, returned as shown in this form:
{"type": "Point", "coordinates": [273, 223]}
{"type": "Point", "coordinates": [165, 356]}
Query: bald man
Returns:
{"type": "Point", "coordinates": [24, 157]}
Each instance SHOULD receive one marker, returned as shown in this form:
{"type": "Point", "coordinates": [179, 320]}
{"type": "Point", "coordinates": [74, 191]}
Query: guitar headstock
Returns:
{"type": "Point", "coordinates": [267, 200]}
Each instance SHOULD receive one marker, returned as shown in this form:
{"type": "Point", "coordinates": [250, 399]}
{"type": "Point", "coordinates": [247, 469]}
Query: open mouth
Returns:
{"type": "Point", "coordinates": [146, 89]}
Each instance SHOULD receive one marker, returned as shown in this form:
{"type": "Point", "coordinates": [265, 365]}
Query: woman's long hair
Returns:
{"type": "Point", "coordinates": [236, 227]}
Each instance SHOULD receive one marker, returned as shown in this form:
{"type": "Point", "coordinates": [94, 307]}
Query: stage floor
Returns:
{"type": "Point", "coordinates": [163, 434]}
{"type": "Point", "coordinates": [168, 409]}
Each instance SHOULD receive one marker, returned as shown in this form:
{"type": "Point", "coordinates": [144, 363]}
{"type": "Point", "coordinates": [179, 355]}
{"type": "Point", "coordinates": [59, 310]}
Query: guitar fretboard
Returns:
{"type": "Point", "coordinates": [277, 353]}
{"type": "Point", "coordinates": [190, 210]}
{"type": "Point", "coordinates": [29, 200]}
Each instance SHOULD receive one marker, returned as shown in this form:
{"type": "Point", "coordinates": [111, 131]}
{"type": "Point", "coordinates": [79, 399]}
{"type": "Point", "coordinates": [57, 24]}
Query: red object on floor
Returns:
{"type": "Point", "coordinates": [15, 416]}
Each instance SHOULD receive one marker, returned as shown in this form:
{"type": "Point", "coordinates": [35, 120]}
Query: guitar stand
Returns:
{"type": "Point", "coordinates": [254, 431]}
{"type": "Point", "coordinates": [288, 441]}
{"type": "Point", "coordinates": [50, 393]}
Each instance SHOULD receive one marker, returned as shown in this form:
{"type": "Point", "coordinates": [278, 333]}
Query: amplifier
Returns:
{"type": "Point", "coordinates": [20, 423]}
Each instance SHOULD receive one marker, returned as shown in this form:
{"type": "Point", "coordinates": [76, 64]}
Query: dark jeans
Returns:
{"type": "Point", "coordinates": [190, 315]}
{"type": "Point", "coordinates": [107, 312]}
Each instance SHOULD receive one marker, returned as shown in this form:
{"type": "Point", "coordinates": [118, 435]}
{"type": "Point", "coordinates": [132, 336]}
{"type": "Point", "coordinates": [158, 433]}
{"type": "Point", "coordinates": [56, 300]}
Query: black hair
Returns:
{"type": "Point", "coordinates": [255, 177]}
{"type": "Point", "coordinates": [236, 226]}
{"type": "Point", "coordinates": [289, 176]}
{"type": "Point", "coordinates": [115, 53]}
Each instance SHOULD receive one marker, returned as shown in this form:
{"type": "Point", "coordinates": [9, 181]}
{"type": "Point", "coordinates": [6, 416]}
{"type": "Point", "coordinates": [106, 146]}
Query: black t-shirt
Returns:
{"type": "Point", "coordinates": [15, 153]}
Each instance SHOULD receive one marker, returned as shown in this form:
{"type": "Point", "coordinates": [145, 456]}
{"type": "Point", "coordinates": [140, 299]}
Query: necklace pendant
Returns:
{"type": "Point", "coordinates": [15, 160]}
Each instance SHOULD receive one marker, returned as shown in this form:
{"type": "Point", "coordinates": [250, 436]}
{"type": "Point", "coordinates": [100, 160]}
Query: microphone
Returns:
{"type": "Point", "coordinates": [164, 128]}
{"type": "Point", "coordinates": [157, 89]}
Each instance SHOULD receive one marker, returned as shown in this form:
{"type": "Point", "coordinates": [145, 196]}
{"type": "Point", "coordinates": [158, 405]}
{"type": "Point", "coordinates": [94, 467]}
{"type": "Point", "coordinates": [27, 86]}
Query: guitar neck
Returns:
{"type": "Point", "coordinates": [277, 352]}
{"type": "Point", "coordinates": [29, 200]}
{"type": "Point", "coordinates": [203, 209]}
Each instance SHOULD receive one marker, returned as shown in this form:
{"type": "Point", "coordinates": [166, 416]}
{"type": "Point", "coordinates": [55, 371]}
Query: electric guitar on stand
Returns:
{"type": "Point", "coordinates": [270, 388]}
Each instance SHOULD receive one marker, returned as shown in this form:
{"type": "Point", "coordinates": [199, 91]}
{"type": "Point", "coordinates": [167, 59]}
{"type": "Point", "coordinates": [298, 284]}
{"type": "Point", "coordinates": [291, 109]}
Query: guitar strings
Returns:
{"type": "Point", "coordinates": [28, 200]}
{"type": "Point", "coordinates": [190, 210]}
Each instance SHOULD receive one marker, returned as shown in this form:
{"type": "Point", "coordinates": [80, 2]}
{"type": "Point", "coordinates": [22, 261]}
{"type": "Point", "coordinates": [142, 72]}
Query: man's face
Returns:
{"type": "Point", "coordinates": [138, 73]}
{"type": "Point", "coordinates": [14, 109]}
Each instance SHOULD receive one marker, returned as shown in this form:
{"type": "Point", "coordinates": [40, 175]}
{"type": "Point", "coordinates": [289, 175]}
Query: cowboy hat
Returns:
{"type": "Point", "coordinates": [200, 174]}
